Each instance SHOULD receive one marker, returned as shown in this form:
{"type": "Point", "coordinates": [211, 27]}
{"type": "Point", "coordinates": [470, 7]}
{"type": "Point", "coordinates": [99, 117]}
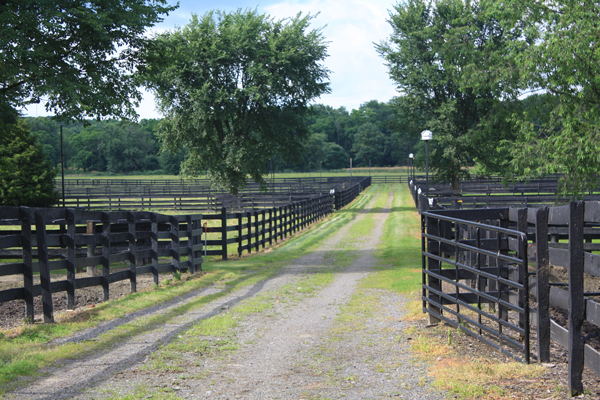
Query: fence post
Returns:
{"type": "Point", "coordinates": [70, 218]}
{"type": "Point", "coordinates": [249, 231]}
{"type": "Point", "coordinates": [40, 230]}
{"type": "Point", "coordinates": [577, 301]}
{"type": "Point", "coordinates": [191, 241]}
{"type": "Point", "coordinates": [256, 230]}
{"type": "Point", "coordinates": [154, 240]}
{"type": "Point", "coordinates": [174, 222]}
{"type": "Point", "coordinates": [285, 216]}
{"type": "Point", "coordinates": [542, 284]}
{"type": "Point", "coordinates": [271, 226]}
{"type": "Point", "coordinates": [240, 237]}
{"type": "Point", "coordinates": [263, 228]}
{"type": "Point", "coordinates": [279, 214]}
{"type": "Point", "coordinates": [105, 254]}
{"type": "Point", "coordinates": [132, 250]}
{"type": "Point", "coordinates": [91, 249]}
{"type": "Point", "coordinates": [26, 221]}
{"type": "Point", "coordinates": [224, 232]}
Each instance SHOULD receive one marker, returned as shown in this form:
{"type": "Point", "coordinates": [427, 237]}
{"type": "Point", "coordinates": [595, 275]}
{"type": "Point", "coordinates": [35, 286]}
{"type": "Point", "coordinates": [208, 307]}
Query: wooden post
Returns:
{"type": "Point", "coordinates": [224, 233]}
{"type": "Point", "coordinates": [191, 241]}
{"type": "Point", "coordinates": [26, 221]}
{"type": "Point", "coordinates": [105, 254]}
{"type": "Point", "coordinates": [131, 227]}
{"type": "Point", "coordinates": [256, 231]}
{"type": "Point", "coordinates": [249, 220]}
{"type": "Point", "coordinates": [174, 222]}
{"type": "Point", "coordinates": [271, 212]}
{"type": "Point", "coordinates": [263, 228]}
{"type": "Point", "coordinates": [577, 301]}
{"type": "Point", "coordinates": [70, 217]}
{"type": "Point", "coordinates": [154, 239]}
{"type": "Point", "coordinates": [543, 285]}
{"type": "Point", "coordinates": [40, 230]}
{"type": "Point", "coordinates": [240, 235]}
{"type": "Point", "coordinates": [91, 249]}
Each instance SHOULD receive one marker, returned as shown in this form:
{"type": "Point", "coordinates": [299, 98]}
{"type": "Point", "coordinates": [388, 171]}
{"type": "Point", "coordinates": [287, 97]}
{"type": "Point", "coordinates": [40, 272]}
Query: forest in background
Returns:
{"type": "Point", "coordinates": [370, 133]}
{"type": "Point", "coordinates": [375, 133]}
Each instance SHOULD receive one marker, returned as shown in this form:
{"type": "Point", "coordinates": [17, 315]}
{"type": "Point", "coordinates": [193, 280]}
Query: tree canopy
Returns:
{"type": "Point", "coordinates": [77, 56]}
{"type": "Point", "coordinates": [430, 56]}
{"type": "Point", "coordinates": [235, 88]}
{"type": "Point", "coordinates": [557, 52]}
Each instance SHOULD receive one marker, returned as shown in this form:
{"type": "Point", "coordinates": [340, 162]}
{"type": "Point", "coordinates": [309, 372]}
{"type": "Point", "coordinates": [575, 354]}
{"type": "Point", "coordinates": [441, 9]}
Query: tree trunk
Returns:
{"type": "Point", "coordinates": [455, 185]}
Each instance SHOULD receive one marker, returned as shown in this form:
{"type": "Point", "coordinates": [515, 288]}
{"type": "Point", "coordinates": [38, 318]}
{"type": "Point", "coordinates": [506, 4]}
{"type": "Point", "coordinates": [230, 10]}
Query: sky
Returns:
{"type": "Point", "coordinates": [358, 74]}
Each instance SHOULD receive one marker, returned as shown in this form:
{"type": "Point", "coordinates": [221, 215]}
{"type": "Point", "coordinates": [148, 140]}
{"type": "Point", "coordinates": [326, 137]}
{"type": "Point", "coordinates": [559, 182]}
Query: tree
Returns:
{"type": "Point", "coordinates": [79, 56]}
{"type": "Point", "coordinates": [234, 89]}
{"type": "Point", "coordinates": [429, 55]}
{"type": "Point", "coordinates": [558, 53]}
{"type": "Point", "coordinates": [26, 175]}
{"type": "Point", "coordinates": [369, 144]}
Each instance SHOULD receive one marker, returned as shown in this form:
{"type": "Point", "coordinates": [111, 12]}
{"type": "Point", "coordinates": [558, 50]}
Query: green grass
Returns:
{"type": "Point", "coordinates": [399, 251]}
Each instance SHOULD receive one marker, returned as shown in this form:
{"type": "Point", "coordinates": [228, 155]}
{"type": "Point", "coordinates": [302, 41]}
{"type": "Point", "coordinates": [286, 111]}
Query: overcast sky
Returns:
{"type": "Point", "coordinates": [351, 26]}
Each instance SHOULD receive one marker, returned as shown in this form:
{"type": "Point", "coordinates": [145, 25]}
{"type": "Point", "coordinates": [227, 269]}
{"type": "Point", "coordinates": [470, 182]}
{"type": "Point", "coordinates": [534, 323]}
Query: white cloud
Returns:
{"type": "Point", "coordinates": [352, 27]}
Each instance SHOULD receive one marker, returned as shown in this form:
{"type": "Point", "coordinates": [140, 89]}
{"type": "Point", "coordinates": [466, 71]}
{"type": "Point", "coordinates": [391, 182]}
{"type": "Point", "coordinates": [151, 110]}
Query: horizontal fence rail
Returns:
{"type": "Point", "coordinates": [467, 265]}
{"type": "Point", "coordinates": [564, 237]}
{"type": "Point", "coordinates": [114, 197]}
{"type": "Point", "coordinates": [38, 241]}
{"type": "Point", "coordinates": [482, 194]}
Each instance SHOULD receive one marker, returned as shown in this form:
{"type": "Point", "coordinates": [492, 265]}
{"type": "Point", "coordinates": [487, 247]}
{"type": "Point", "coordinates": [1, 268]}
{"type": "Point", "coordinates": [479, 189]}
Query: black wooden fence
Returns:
{"type": "Point", "coordinates": [485, 194]}
{"type": "Point", "coordinates": [476, 257]}
{"type": "Point", "coordinates": [119, 195]}
{"type": "Point", "coordinates": [39, 241]}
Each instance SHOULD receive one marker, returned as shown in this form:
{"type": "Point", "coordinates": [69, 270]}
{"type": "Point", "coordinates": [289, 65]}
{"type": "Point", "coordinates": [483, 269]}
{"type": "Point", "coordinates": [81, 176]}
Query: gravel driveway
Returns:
{"type": "Point", "coordinates": [303, 346]}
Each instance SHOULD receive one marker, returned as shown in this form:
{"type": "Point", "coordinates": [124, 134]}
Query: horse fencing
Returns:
{"type": "Point", "coordinates": [38, 241]}
{"type": "Point", "coordinates": [117, 196]}
{"type": "Point", "coordinates": [495, 274]}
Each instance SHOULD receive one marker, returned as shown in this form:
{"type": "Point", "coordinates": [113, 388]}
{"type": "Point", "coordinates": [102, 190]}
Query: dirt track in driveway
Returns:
{"type": "Point", "coordinates": [339, 340]}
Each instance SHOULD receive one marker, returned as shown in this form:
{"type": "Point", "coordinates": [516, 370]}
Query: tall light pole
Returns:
{"type": "Point", "coordinates": [426, 136]}
{"type": "Point", "coordinates": [411, 160]}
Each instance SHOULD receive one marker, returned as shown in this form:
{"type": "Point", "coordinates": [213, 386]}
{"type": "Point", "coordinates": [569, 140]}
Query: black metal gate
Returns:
{"type": "Point", "coordinates": [475, 277]}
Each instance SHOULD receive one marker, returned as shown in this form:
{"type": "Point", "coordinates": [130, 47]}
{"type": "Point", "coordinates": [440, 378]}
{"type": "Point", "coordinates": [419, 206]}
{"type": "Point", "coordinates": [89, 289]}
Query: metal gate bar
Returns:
{"type": "Point", "coordinates": [495, 266]}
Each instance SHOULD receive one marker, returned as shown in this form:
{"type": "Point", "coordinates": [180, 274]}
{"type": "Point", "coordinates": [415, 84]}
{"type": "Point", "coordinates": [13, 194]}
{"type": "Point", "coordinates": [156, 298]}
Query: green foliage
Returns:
{"type": "Point", "coordinates": [234, 89]}
{"type": "Point", "coordinates": [557, 52]}
{"type": "Point", "coordinates": [78, 56]}
{"type": "Point", "coordinates": [430, 56]}
{"type": "Point", "coordinates": [105, 146]}
{"type": "Point", "coordinates": [369, 144]}
{"type": "Point", "coordinates": [26, 176]}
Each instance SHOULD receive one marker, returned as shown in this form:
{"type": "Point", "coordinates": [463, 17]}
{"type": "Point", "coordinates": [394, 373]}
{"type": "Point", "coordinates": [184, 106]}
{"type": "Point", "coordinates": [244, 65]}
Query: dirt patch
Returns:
{"type": "Point", "coordinates": [12, 313]}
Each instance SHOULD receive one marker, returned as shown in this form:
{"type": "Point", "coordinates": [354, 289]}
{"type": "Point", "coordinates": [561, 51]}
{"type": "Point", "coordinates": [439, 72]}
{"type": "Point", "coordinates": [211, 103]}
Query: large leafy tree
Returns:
{"type": "Point", "coordinates": [558, 52]}
{"type": "Point", "coordinates": [79, 56]}
{"type": "Point", "coordinates": [234, 89]}
{"type": "Point", "coordinates": [429, 55]}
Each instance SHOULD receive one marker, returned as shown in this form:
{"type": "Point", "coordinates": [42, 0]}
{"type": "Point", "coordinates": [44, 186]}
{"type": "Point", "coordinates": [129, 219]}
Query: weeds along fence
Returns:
{"type": "Point", "coordinates": [498, 273]}
{"type": "Point", "coordinates": [194, 198]}
{"type": "Point", "coordinates": [37, 243]}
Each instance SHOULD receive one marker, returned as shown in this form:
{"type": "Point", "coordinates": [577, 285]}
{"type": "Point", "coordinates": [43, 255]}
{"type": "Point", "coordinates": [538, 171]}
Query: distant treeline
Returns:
{"type": "Point", "coordinates": [367, 134]}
